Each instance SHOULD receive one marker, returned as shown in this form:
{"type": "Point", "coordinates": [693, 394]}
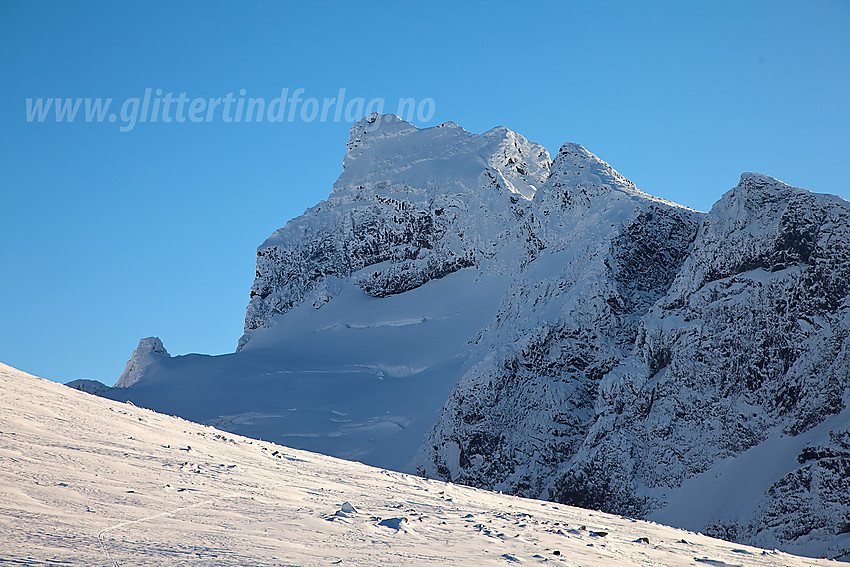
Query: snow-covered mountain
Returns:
{"type": "Point", "coordinates": [363, 308]}
{"type": "Point", "coordinates": [87, 481]}
{"type": "Point", "coordinates": [527, 402]}
{"type": "Point", "coordinates": [550, 331]}
{"type": "Point", "coordinates": [411, 206]}
{"type": "Point", "coordinates": [725, 407]}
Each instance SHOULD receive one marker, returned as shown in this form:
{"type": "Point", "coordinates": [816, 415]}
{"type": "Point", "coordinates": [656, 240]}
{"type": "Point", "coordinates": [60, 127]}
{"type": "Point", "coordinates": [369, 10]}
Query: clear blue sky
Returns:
{"type": "Point", "coordinates": [111, 236]}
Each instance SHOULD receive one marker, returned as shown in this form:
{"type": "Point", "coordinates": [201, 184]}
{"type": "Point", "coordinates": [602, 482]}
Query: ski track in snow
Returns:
{"type": "Point", "coordinates": [153, 517]}
{"type": "Point", "coordinates": [171, 512]}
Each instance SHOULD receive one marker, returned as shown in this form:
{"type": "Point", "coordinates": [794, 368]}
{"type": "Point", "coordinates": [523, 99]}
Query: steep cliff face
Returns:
{"type": "Point", "coordinates": [630, 361]}
{"type": "Point", "coordinates": [569, 319]}
{"type": "Point", "coordinates": [410, 206]}
{"type": "Point", "coordinates": [809, 506]}
{"type": "Point", "coordinates": [751, 343]}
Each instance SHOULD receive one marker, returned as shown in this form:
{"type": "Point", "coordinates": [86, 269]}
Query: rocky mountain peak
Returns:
{"type": "Point", "coordinates": [375, 129]}
{"type": "Point", "coordinates": [577, 180]}
{"type": "Point", "coordinates": [410, 206]}
{"type": "Point", "coordinates": [764, 223]}
{"type": "Point", "coordinates": [149, 350]}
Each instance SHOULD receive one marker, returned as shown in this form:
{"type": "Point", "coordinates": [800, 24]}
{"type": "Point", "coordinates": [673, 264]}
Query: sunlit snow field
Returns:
{"type": "Point", "coordinates": [88, 481]}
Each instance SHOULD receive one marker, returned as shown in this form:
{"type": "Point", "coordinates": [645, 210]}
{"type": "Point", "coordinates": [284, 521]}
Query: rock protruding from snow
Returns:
{"type": "Point", "coordinates": [610, 251]}
{"type": "Point", "coordinates": [149, 351]}
{"type": "Point", "coordinates": [89, 386]}
{"type": "Point", "coordinates": [411, 205]}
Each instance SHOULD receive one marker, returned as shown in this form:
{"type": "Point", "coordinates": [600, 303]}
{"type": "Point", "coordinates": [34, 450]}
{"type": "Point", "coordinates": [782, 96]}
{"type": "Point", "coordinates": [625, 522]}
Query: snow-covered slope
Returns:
{"type": "Point", "coordinates": [87, 481]}
{"type": "Point", "coordinates": [551, 331]}
{"type": "Point", "coordinates": [362, 378]}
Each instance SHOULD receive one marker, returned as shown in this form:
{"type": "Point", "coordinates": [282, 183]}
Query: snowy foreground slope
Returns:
{"type": "Point", "coordinates": [468, 308]}
{"type": "Point", "coordinates": [88, 481]}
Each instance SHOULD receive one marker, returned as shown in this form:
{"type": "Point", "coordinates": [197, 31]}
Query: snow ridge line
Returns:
{"type": "Point", "coordinates": [115, 563]}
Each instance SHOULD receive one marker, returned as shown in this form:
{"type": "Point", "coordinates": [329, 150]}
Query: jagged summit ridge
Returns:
{"type": "Point", "coordinates": [578, 177]}
{"type": "Point", "coordinates": [423, 203]}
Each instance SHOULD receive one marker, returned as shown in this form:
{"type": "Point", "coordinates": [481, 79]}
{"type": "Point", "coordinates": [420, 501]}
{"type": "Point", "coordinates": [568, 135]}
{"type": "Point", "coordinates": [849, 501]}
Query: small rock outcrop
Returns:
{"type": "Point", "coordinates": [148, 352]}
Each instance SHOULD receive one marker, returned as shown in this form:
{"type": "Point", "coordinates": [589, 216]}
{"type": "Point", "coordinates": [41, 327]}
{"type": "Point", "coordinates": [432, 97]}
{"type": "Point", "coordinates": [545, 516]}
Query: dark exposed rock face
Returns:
{"type": "Point", "coordinates": [572, 316]}
{"type": "Point", "coordinates": [612, 386]}
{"type": "Point", "coordinates": [750, 336]}
{"type": "Point", "coordinates": [751, 342]}
{"type": "Point", "coordinates": [808, 505]}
